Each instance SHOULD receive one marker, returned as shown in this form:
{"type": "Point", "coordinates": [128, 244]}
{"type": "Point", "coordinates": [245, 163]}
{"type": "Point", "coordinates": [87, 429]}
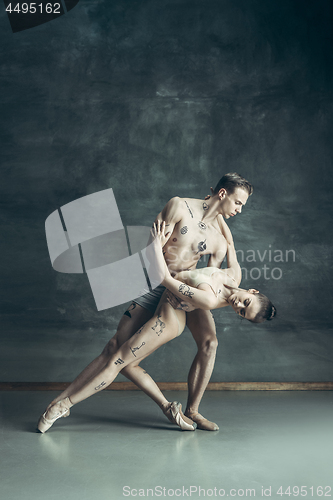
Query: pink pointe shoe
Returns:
{"type": "Point", "coordinates": [174, 413]}
{"type": "Point", "coordinates": [45, 423]}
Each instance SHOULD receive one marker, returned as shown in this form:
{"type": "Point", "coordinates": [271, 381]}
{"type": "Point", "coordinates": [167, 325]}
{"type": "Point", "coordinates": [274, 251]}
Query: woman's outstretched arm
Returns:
{"type": "Point", "coordinates": [199, 299]}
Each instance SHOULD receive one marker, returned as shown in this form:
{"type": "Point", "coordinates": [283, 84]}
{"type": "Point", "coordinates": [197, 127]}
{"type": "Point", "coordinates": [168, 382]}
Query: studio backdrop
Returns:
{"type": "Point", "coordinates": [156, 99]}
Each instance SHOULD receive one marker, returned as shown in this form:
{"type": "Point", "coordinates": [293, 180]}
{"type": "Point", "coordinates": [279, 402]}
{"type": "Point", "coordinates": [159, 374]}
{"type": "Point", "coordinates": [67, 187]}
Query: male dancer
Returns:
{"type": "Point", "coordinates": [192, 230]}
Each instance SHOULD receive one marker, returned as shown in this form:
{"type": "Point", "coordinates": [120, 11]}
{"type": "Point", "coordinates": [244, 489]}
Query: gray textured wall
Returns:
{"type": "Point", "coordinates": [157, 99]}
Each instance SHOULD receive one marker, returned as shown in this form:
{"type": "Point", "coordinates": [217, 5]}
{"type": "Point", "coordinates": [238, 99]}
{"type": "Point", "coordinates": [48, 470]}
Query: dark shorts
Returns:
{"type": "Point", "coordinates": [151, 299]}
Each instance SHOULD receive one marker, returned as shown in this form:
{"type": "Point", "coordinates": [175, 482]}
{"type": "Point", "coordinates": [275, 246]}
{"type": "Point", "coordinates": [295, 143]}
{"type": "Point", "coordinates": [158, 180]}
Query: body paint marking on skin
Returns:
{"type": "Point", "coordinates": [189, 209]}
{"type": "Point", "coordinates": [131, 307]}
{"type": "Point", "coordinates": [102, 384]}
{"type": "Point", "coordinates": [159, 326]}
{"type": "Point", "coordinates": [185, 290]}
{"type": "Point", "coordinates": [134, 349]}
{"type": "Point", "coordinates": [201, 246]}
{"type": "Point", "coordinates": [119, 361]}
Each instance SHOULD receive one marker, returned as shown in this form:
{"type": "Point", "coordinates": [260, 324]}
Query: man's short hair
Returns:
{"type": "Point", "coordinates": [232, 181]}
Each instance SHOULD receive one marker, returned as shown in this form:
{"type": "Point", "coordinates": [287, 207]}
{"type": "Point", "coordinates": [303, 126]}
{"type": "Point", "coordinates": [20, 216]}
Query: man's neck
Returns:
{"type": "Point", "coordinates": [214, 207]}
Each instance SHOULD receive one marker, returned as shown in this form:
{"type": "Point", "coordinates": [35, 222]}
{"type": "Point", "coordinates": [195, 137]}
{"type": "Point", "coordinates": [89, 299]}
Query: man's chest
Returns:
{"type": "Point", "coordinates": [196, 236]}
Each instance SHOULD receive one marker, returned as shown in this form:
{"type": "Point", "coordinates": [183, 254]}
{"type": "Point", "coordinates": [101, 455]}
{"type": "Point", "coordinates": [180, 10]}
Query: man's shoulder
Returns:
{"type": "Point", "coordinates": [174, 208]}
{"type": "Point", "coordinates": [175, 200]}
{"type": "Point", "coordinates": [175, 203]}
{"type": "Point", "coordinates": [182, 205]}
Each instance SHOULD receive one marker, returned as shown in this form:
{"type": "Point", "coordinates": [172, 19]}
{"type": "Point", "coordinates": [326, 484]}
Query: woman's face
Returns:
{"type": "Point", "coordinates": [245, 303]}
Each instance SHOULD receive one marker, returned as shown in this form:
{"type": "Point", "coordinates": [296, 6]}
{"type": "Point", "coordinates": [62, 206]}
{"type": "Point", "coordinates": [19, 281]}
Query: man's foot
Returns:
{"type": "Point", "coordinates": [173, 411]}
{"type": "Point", "coordinates": [202, 422]}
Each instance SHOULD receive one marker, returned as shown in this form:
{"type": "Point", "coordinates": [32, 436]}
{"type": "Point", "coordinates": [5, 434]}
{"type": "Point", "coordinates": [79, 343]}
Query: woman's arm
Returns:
{"type": "Point", "coordinates": [199, 299]}
{"type": "Point", "coordinates": [232, 261]}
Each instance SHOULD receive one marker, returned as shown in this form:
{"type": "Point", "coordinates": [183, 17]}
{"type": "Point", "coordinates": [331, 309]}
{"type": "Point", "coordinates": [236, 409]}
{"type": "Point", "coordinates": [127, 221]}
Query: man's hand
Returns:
{"type": "Point", "coordinates": [177, 303]}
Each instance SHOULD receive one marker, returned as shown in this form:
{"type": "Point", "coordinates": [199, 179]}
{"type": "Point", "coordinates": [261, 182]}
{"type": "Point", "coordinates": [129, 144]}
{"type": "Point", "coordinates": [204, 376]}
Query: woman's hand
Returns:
{"type": "Point", "coordinates": [158, 232]}
{"type": "Point", "coordinates": [158, 269]}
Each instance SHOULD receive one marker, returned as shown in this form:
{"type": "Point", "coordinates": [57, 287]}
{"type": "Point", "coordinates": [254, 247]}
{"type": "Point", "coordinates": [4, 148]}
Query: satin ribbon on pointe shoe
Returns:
{"type": "Point", "coordinates": [175, 415]}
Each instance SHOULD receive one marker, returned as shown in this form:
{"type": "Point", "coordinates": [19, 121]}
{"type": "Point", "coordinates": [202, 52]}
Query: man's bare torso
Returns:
{"type": "Point", "coordinates": [193, 236]}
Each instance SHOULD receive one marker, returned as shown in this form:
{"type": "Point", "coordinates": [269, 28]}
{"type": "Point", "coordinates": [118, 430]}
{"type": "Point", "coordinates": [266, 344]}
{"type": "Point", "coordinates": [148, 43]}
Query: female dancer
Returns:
{"type": "Point", "coordinates": [207, 288]}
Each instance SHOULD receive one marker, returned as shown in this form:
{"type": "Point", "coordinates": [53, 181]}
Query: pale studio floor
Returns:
{"type": "Point", "coordinates": [120, 439]}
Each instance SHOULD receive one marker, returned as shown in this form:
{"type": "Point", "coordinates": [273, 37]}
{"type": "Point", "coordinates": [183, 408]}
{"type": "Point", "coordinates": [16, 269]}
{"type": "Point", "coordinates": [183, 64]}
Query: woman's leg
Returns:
{"type": "Point", "coordinates": [143, 380]}
{"type": "Point", "coordinates": [166, 324]}
{"type": "Point", "coordinates": [173, 411]}
{"type": "Point", "coordinates": [134, 317]}
{"type": "Point", "coordinates": [162, 328]}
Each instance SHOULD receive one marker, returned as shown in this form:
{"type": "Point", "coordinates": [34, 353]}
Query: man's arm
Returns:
{"type": "Point", "coordinates": [232, 261]}
{"type": "Point", "coordinates": [215, 261]}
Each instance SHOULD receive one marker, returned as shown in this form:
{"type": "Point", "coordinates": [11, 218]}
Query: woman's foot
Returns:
{"type": "Point", "coordinates": [68, 412]}
{"type": "Point", "coordinates": [173, 411]}
{"type": "Point", "coordinates": [58, 410]}
{"type": "Point", "coordinates": [202, 422]}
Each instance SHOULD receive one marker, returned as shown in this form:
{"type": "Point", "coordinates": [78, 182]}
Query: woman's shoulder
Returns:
{"type": "Point", "coordinates": [228, 279]}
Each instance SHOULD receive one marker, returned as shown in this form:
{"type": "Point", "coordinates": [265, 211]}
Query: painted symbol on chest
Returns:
{"type": "Point", "coordinates": [205, 206]}
{"type": "Point", "coordinates": [202, 225]}
{"type": "Point", "coordinates": [184, 230]}
{"type": "Point", "coordinates": [189, 209]}
{"type": "Point", "coordinates": [201, 246]}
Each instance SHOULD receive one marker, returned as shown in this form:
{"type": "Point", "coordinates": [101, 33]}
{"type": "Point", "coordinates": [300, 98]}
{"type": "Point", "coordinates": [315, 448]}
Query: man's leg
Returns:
{"type": "Point", "coordinates": [202, 326]}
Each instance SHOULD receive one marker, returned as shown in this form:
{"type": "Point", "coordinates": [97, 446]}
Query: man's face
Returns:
{"type": "Point", "coordinates": [232, 203]}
